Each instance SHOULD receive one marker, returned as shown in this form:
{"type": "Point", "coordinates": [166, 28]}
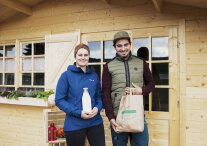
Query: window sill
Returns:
{"type": "Point", "coordinates": [25, 101]}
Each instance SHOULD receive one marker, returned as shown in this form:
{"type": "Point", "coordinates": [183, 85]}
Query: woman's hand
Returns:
{"type": "Point", "coordinates": [94, 112]}
{"type": "Point", "coordinates": [85, 115]}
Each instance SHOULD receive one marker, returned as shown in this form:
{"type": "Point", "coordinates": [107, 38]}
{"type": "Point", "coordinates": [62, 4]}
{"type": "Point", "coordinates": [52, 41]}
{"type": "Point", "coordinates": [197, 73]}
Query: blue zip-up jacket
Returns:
{"type": "Point", "coordinates": [69, 93]}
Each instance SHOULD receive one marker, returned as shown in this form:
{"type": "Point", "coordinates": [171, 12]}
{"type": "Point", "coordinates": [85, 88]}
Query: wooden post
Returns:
{"type": "Point", "coordinates": [182, 82]}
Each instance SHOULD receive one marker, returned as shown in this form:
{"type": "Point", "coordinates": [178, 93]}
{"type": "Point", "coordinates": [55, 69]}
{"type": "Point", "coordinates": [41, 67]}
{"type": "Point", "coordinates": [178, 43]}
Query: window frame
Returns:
{"type": "Point", "coordinates": [32, 56]}
{"type": "Point", "coordinates": [4, 63]}
{"type": "Point", "coordinates": [169, 32]}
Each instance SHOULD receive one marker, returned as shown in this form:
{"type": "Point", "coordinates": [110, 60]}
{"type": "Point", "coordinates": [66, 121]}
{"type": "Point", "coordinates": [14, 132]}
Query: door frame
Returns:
{"type": "Point", "coordinates": [171, 118]}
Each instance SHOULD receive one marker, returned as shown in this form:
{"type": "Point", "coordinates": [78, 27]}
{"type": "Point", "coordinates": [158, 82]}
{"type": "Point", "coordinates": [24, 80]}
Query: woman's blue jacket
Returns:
{"type": "Point", "coordinates": [69, 93]}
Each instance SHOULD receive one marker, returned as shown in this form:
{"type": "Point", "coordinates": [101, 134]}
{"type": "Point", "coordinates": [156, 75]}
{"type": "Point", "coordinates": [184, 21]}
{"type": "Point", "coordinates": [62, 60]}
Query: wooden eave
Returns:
{"type": "Point", "coordinates": [158, 5]}
{"type": "Point", "coordinates": [18, 6]}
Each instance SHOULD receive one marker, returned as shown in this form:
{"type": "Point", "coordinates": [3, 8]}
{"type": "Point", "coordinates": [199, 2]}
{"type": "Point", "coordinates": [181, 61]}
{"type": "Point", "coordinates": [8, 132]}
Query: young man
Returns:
{"type": "Point", "coordinates": [121, 73]}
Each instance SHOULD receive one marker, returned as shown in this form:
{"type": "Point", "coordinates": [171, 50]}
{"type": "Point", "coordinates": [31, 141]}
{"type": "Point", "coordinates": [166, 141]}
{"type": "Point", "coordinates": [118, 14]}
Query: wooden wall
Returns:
{"type": "Point", "coordinates": [61, 16]}
{"type": "Point", "coordinates": [196, 82]}
{"type": "Point", "coordinates": [21, 125]}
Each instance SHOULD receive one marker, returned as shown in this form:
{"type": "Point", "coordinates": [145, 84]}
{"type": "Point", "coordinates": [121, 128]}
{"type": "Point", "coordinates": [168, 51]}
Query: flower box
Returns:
{"type": "Point", "coordinates": [25, 101]}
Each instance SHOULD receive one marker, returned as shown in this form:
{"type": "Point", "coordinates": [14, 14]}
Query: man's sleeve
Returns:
{"type": "Point", "coordinates": [106, 88]}
{"type": "Point", "coordinates": [148, 80]}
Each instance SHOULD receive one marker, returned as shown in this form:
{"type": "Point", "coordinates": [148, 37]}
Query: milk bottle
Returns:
{"type": "Point", "coordinates": [86, 101]}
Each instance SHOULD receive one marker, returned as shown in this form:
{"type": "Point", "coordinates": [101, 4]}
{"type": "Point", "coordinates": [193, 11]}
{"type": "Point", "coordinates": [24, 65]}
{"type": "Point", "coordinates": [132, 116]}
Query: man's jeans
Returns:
{"type": "Point", "coordinates": [136, 139]}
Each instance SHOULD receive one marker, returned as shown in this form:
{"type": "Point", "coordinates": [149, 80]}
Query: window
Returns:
{"type": "Point", "coordinates": [7, 66]}
{"type": "Point", "coordinates": [100, 53]}
{"type": "Point", "coordinates": [154, 50]}
{"type": "Point", "coordinates": [95, 51]}
{"type": "Point", "coordinates": [95, 57]}
{"type": "Point", "coordinates": [109, 51]}
{"type": "Point", "coordinates": [32, 64]}
{"type": "Point", "coordinates": [157, 59]}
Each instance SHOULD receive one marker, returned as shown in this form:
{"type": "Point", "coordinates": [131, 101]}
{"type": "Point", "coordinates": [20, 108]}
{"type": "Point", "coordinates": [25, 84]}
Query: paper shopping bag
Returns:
{"type": "Point", "coordinates": [130, 116]}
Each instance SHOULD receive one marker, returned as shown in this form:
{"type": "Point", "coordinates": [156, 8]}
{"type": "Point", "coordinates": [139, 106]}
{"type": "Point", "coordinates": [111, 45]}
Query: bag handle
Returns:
{"type": "Point", "coordinates": [130, 91]}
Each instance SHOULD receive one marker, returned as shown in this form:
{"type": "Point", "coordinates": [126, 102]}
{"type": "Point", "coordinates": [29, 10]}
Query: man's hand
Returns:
{"type": "Point", "coordinates": [136, 90]}
{"type": "Point", "coordinates": [94, 112]}
{"type": "Point", "coordinates": [114, 125]}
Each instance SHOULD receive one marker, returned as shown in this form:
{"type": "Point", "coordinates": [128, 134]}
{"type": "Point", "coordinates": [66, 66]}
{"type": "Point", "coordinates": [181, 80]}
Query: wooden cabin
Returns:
{"type": "Point", "coordinates": [37, 39]}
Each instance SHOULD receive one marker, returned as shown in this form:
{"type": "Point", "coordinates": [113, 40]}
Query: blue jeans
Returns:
{"type": "Point", "coordinates": [136, 139]}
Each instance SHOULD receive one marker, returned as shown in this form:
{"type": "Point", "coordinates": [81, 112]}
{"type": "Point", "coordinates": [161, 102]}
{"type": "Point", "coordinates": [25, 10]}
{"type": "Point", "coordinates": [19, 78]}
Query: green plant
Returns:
{"type": "Point", "coordinates": [4, 93]}
{"type": "Point", "coordinates": [34, 93]}
{"type": "Point", "coordinates": [20, 93]}
{"type": "Point", "coordinates": [45, 94]}
{"type": "Point", "coordinates": [12, 94]}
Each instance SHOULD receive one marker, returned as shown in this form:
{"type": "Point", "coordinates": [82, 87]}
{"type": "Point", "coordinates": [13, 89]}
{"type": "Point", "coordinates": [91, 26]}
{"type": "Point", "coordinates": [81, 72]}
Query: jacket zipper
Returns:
{"type": "Point", "coordinates": [126, 65]}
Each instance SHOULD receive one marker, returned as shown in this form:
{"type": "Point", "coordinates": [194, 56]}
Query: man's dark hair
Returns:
{"type": "Point", "coordinates": [143, 52]}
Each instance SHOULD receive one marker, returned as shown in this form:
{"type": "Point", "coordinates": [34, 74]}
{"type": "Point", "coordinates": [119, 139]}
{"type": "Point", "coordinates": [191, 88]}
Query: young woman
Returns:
{"type": "Point", "coordinates": [78, 123]}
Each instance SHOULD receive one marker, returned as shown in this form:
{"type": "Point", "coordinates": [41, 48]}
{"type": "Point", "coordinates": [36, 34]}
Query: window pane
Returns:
{"type": "Point", "coordinates": [6, 89]}
{"type": "Point", "coordinates": [39, 48]}
{"type": "Point", "coordinates": [160, 99]}
{"type": "Point", "coordinates": [138, 43]}
{"type": "Point", "coordinates": [10, 50]}
{"type": "Point", "coordinates": [26, 64]}
{"type": "Point", "coordinates": [39, 64]}
{"type": "Point", "coordinates": [10, 65]}
{"type": "Point", "coordinates": [1, 78]}
{"type": "Point", "coordinates": [109, 51]}
{"type": "Point", "coordinates": [95, 51]}
{"type": "Point", "coordinates": [160, 73]}
{"type": "Point", "coordinates": [96, 69]}
{"type": "Point", "coordinates": [39, 78]}
{"type": "Point", "coordinates": [26, 79]}
{"type": "Point", "coordinates": [26, 49]}
{"type": "Point", "coordinates": [9, 79]}
{"type": "Point", "coordinates": [1, 65]}
{"type": "Point", "coordinates": [29, 89]}
{"type": "Point", "coordinates": [160, 48]}
{"type": "Point", "coordinates": [1, 51]}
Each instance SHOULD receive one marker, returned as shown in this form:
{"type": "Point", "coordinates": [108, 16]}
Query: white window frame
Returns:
{"type": "Point", "coordinates": [32, 56]}
{"type": "Point", "coordinates": [4, 61]}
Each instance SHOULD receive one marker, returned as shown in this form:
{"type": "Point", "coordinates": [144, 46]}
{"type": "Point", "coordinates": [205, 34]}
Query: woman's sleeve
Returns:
{"type": "Point", "coordinates": [99, 102]}
{"type": "Point", "coordinates": [61, 97]}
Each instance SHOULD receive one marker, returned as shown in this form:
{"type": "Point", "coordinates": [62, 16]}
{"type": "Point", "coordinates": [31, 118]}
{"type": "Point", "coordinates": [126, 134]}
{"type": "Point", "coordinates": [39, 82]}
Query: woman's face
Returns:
{"type": "Point", "coordinates": [82, 57]}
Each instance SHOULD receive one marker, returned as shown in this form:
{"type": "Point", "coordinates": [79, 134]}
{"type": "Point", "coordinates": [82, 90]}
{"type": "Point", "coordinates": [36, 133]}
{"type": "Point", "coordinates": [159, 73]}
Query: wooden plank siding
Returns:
{"type": "Point", "coordinates": [196, 82]}
{"type": "Point", "coordinates": [94, 16]}
{"type": "Point", "coordinates": [63, 16]}
{"type": "Point", "coordinates": [21, 125]}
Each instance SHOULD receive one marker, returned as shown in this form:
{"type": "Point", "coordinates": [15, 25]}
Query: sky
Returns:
{"type": "Point", "coordinates": [159, 47]}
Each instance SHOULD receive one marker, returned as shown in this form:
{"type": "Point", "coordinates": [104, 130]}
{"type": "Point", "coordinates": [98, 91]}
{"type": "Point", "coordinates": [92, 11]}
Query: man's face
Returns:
{"type": "Point", "coordinates": [122, 48]}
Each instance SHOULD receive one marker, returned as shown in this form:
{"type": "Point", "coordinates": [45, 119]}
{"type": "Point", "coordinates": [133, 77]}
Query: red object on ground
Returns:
{"type": "Point", "coordinates": [52, 132]}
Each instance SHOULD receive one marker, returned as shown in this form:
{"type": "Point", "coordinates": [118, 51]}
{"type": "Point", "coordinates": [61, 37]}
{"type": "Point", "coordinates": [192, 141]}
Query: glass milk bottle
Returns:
{"type": "Point", "coordinates": [86, 100]}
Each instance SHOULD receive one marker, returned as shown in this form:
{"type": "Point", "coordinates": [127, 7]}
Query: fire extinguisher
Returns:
{"type": "Point", "coordinates": [52, 132]}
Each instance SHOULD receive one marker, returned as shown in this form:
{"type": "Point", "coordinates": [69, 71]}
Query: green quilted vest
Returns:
{"type": "Point", "coordinates": [123, 73]}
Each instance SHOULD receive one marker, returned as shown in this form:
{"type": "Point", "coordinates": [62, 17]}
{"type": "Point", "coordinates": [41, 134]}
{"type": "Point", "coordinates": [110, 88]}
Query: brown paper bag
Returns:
{"type": "Point", "coordinates": [130, 116]}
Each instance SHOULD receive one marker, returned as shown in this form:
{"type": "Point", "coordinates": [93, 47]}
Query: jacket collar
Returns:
{"type": "Point", "coordinates": [78, 69]}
